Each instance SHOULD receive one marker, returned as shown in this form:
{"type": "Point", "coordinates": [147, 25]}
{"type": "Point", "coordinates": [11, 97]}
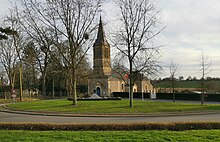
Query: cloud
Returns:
{"type": "Point", "coordinates": [5, 4]}
{"type": "Point", "coordinates": [191, 26]}
{"type": "Point", "coordinates": [191, 16]}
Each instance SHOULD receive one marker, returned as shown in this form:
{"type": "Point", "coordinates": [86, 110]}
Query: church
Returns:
{"type": "Point", "coordinates": [102, 81]}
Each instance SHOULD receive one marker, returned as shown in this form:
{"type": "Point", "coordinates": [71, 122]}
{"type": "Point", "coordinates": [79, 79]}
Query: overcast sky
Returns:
{"type": "Point", "coordinates": [192, 26]}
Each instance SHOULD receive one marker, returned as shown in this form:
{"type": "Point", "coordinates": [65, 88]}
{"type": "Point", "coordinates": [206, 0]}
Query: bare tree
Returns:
{"type": "Point", "coordinates": [8, 55]}
{"type": "Point", "coordinates": [14, 47]}
{"type": "Point", "coordinates": [8, 59]}
{"type": "Point", "coordinates": [173, 72]}
{"type": "Point", "coordinates": [135, 38]}
{"type": "Point", "coordinates": [77, 18]}
{"type": "Point", "coordinates": [205, 69]}
{"type": "Point", "coordinates": [18, 44]}
{"type": "Point", "coordinates": [67, 25]}
{"type": "Point", "coordinates": [29, 60]}
{"type": "Point", "coordinates": [38, 33]}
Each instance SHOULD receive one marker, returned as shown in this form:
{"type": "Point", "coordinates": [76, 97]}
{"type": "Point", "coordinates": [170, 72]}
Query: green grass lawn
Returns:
{"type": "Point", "coordinates": [4, 101]}
{"type": "Point", "coordinates": [114, 136]}
{"type": "Point", "coordinates": [106, 107]}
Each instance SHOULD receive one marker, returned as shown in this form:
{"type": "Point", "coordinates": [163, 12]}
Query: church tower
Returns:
{"type": "Point", "coordinates": [101, 52]}
{"type": "Point", "coordinates": [101, 82]}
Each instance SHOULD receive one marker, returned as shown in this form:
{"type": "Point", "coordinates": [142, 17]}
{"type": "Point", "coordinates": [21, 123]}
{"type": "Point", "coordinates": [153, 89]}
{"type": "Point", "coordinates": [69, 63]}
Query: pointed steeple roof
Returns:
{"type": "Point", "coordinates": [101, 38]}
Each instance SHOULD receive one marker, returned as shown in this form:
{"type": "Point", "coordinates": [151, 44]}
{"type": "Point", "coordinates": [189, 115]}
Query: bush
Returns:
{"type": "Point", "coordinates": [175, 126]}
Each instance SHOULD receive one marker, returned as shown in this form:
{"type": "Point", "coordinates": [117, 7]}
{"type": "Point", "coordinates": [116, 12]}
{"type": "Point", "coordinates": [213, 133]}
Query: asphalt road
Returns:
{"type": "Point", "coordinates": [12, 117]}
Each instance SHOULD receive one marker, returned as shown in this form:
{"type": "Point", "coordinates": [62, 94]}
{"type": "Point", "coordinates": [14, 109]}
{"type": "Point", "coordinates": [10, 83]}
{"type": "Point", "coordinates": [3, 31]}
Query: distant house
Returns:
{"type": "Point", "coordinates": [103, 80]}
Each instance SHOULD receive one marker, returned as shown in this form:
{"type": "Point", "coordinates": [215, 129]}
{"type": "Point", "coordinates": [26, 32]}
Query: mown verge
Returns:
{"type": "Point", "coordinates": [110, 136]}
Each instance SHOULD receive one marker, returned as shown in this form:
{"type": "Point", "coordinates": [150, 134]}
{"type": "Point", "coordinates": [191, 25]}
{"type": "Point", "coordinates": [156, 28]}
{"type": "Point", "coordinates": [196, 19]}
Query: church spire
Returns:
{"type": "Point", "coordinates": [101, 39]}
{"type": "Point", "coordinates": [101, 52]}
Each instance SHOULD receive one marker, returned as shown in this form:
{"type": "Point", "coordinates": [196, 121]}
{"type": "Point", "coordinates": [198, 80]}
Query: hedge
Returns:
{"type": "Point", "coordinates": [178, 96]}
{"type": "Point", "coordinates": [189, 96]}
{"type": "Point", "coordinates": [126, 95]}
{"type": "Point", "coordinates": [174, 126]}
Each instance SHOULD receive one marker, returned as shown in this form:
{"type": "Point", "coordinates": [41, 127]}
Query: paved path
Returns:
{"type": "Point", "coordinates": [12, 117]}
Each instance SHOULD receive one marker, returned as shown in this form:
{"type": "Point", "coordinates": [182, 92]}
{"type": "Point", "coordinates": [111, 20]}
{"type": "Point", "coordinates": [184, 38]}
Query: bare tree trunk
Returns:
{"type": "Point", "coordinates": [131, 93]}
{"type": "Point", "coordinates": [12, 82]}
{"type": "Point", "coordinates": [203, 90]}
{"type": "Point", "coordinates": [203, 80]}
{"type": "Point", "coordinates": [173, 72]}
{"type": "Point", "coordinates": [74, 85]}
{"type": "Point", "coordinates": [20, 76]}
{"type": "Point", "coordinates": [67, 82]}
{"type": "Point", "coordinates": [205, 67]}
{"type": "Point", "coordinates": [53, 92]}
{"type": "Point", "coordinates": [44, 84]}
{"type": "Point", "coordinates": [131, 83]}
{"type": "Point", "coordinates": [5, 95]}
{"type": "Point", "coordinates": [174, 99]}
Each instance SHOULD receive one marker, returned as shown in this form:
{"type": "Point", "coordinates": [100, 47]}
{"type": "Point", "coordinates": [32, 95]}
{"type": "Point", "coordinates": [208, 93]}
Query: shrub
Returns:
{"type": "Point", "coordinates": [175, 126]}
